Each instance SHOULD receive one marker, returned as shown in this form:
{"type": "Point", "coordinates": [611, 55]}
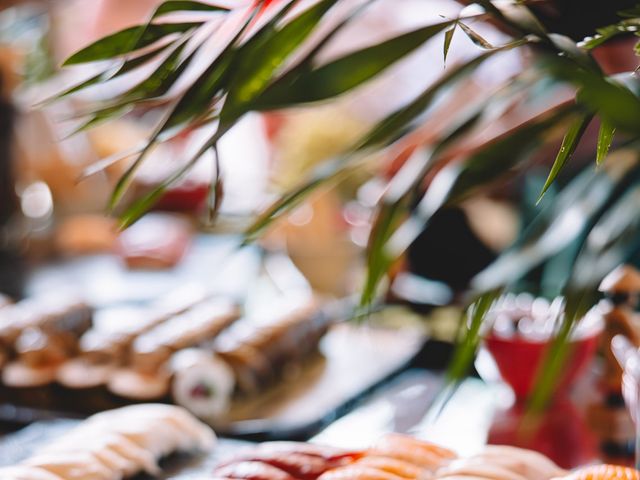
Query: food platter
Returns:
{"type": "Point", "coordinates": [323, 389]}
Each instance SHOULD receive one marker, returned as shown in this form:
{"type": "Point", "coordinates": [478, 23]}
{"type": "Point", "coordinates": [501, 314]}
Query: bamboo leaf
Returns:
{"type": "Point", "coordinates": [141, 206]}
{"type": "Point", "coordinates": [467, 346]}
{"type": "Point", "coordinates": [630, 12]}
{"type": "Point", "coordinates": [349, 71]}
{"type": "Point", "coordinates": [260, 58]}
{"type": "Point", "coordinates": [448, 36]}
{"type": "Point", "coordinates": [120, 43]}
{"type": "Point", "coordinates": [378, 262]}
{"type": "Point", "coordinates": [605, 137]}
{"type": "Point", "coordinates": [216, 189]}
{"type": "Point", "coordinates": [393, 126]}
{"type": "Point", "coordinates": [325, 175]}
{"type": "Point", "coordinates": [186, 107]}
{"type": "Point", "coordinates": [568, 146]}
{"type": "Point", "coordinates": [134, 38]}
{"type": "Point", "coordinates": [475, 37]}
{"type": "Point", "coordinates": [612, 100]}
{"type": "Point", "coordinates": [567, 219]}
{"type": "Point", "coordinates": [99, 117]}
{"type": "Point", "coordinates": [171, 6]}
{"type": "Point", "coordinates": [614, 240]}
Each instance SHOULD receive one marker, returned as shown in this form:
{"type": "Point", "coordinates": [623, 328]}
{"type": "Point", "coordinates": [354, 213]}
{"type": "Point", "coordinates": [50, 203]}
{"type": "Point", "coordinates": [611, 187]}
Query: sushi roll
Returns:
{"type": "Point", "coordinates": [147, 376]}
{"type": "Point", "coordinates": [203, 383]}
{"type": "Point", "coordinates": [103, 349]}
{"type": "Point", "coordinates": [28, 385]}
{"type": "Point", "coordinates": [262, 352]}
{"type": "Point", "coordinates": [196, 325]}
{"type": "Point", "coordinates": [245, 359]}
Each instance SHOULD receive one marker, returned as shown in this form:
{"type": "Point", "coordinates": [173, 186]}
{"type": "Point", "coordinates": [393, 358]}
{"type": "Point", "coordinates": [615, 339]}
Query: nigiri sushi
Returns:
{"type": "Point", "coordinates": [532, 465]}
{"type": "Point", "coordinates": [604, 472]}
{"type": "Point", "coordinates": [397, 467]}
{"type": "Point", "coordinates": [252, 470]}
{"type": "Point", "coordinates": [300, 460]}
{"type": "Point", "coordinates": [23, 472]}
{"type": "Point", "coordinates": [359, 472]}
{"type": "Point", "coordinates": [405, 448]}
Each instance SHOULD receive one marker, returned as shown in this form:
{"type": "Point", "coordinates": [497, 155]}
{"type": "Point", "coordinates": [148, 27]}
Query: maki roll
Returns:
{"type": "Point", "coordinates": [245, 359]}
{"type": "Point", "coordinates": [104, 349]}
{"type": "Point", "coordinates": [147, 375]}
{"type": "Point", "coordinates": [38, 335]}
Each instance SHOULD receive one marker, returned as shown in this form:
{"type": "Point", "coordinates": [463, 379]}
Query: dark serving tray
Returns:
{"type": "Point", "coordinates": [353, 361]}
{"type": "Point", "coordinates": [398, 405]}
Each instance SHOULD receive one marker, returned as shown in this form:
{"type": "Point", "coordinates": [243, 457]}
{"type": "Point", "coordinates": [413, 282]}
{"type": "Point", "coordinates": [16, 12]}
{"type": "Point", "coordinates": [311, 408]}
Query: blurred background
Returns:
{"type": "Point", "coordinates": [55, 235]}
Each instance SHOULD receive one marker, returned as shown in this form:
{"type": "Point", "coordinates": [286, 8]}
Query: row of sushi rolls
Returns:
{"type": "Point", "coordinates": [189, 348]}
{"type": "Point", "coordinates": [183, 360]}
{"type": "Point", "coordinates": [132, 440]}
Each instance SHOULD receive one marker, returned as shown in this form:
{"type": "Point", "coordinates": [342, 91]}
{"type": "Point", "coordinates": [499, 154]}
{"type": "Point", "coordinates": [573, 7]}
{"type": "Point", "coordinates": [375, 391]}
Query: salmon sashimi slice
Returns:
{"type": "Point", "coordinates": [530, 464]}
{"type": "Point", "coordinates": [604, 472]}
{"type": "Point", "coordinates": [410, 454]}
{"type": "Point", "coordinates": [412, 442]}
{"type": "Point", "coordinates": [479, 470]}
{"type": "Point", "coordinates": [397, 467]}
{"type": "Point", "coordinates": [252, 470]}
{"type": "Point", "coordinates": [356, 472]}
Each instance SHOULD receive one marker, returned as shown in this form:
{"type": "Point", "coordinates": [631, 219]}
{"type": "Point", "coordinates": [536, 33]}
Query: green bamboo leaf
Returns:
{"type": "Point", "coordinates": [563, 222]}
{"type": "Point", "coordinates": [614, 240]}
{"type": "Point", "coordinates": [325, 175]}
{"type": "Point", "coordinates": [171, 6]}
{"type": "Point", "coordinates": [141, 206]}
{"type": "Point", "coordinates": [570, 51]}
{"type": "Point", "coordinates": [456, 182]}
{"type": "Point", "coordinates": [100, 117]}
{"type": "Point", "coordinates": [120, 43]}
{"type": "Point", "coordinates": [605, 137]}
{"type": "Point", "coordinates": [393, 126]}
{"type": "Point", "coordinates": [261, 57]}
{"type": "Point", "coordinates": [568, 146]}
{"type": "Point", "coordinates": [630, 12]}
{"type": "Point", "coordinates": [188, 106]}
{"type": "Point", "coordinates": [349, 71]}
{"type": "Point", "coordinates": [216, 188]}
{"type": "Point", "coordinates": [109, 74]}
{"type": "Point", "coordinates": [611, 99]}
{"type": "Point", "coordinates": [448, 36]}
{"type": "Point", "coordinates": [475, 37]}
{"type": "Point", "coordinates": [134, 38]}
{"type": "Point", "coordinates": [387, 219]}
{"type": "Point", "coordinates": [467, 346]}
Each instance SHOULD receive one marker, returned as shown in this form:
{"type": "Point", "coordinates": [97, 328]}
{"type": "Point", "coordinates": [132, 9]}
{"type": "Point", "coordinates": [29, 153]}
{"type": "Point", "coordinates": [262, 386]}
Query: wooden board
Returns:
{"type": "Point", "coordinates": [353, 360]}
